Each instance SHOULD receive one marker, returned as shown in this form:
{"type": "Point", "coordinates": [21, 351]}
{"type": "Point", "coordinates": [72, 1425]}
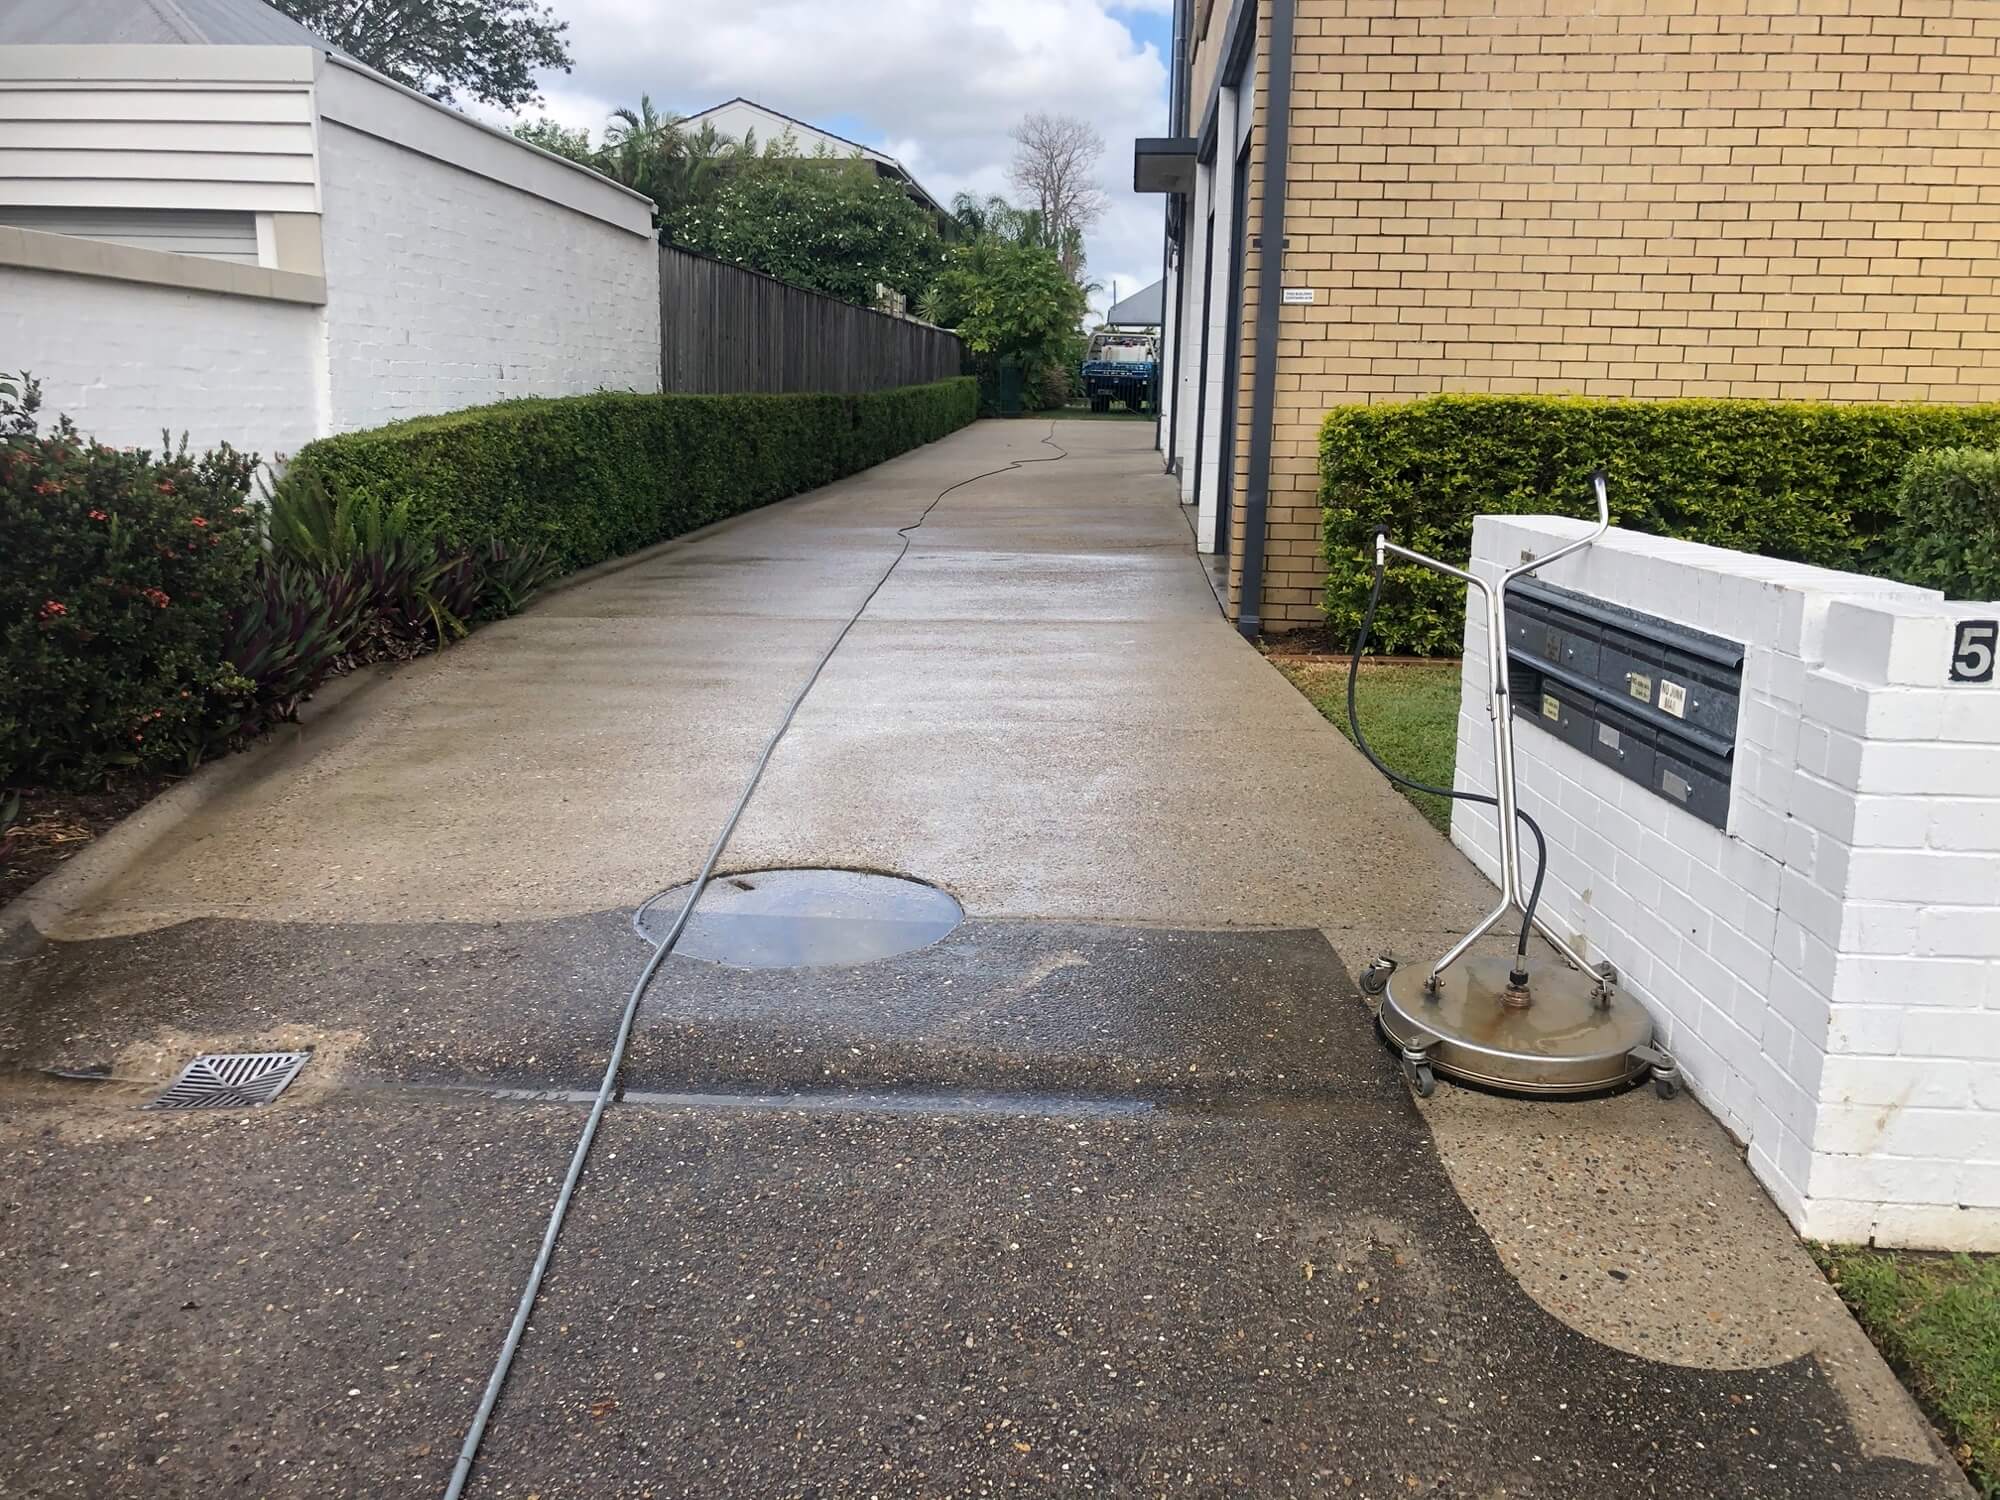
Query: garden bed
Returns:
{"type": "Point", "coordinates": [53, 826]}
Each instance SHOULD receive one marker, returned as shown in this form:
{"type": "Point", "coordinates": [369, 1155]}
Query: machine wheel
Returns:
{"type": "Point", "coordinates": [1420, 1078]}
{"type": "Point", "coordinates": [1375, 978]}
{"type": "Point", "coordinates": [1666, 1088]}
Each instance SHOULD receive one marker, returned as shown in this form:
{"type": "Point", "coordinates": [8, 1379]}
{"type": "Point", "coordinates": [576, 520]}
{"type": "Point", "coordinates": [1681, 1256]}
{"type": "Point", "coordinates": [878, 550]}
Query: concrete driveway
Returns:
{"type": "Point", "coordinates": [1110, 1191]}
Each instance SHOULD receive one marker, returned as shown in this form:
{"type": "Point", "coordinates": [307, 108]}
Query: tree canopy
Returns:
{"type": "Point", "coordinates": [823, 222]}
{"type": "Point", "coordinates": [1004, 290]}
{"type": "Point", "coordinates": [487, 50]}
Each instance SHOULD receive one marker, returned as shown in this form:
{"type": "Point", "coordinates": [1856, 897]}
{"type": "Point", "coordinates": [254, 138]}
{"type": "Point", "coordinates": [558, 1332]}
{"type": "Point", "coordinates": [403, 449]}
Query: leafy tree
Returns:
{"type": "Point", "coordinates": [559, 140]}
{"type": "Point", "coordinates": [825, 222]}
{"type": "Point", "coordinates": [1005, 290]}
{"type": "Point", "coordinates": [487, 49]}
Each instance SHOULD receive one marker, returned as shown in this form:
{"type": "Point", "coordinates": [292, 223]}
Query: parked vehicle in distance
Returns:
{"type": "Point", "coordinates": [1121, 365]}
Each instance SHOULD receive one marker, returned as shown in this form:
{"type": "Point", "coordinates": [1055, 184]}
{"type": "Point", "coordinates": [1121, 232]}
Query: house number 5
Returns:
{"type": "Point", "coordinates": [1972, 650]}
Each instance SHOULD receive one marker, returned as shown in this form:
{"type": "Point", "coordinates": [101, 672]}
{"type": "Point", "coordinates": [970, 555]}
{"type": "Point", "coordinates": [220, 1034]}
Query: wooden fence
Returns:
{"type": "Point", "coordinates": [725, 329]}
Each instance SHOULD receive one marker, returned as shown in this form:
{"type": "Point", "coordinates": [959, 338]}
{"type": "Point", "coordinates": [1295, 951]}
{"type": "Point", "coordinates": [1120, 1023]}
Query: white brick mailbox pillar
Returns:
{"type": "Point", "coordinates": [1826, 965]}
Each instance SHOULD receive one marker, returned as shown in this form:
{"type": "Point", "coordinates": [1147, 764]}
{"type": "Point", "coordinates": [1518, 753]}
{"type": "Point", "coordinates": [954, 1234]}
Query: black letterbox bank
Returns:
{"type": "Point", "coordinates": [1653, 700]}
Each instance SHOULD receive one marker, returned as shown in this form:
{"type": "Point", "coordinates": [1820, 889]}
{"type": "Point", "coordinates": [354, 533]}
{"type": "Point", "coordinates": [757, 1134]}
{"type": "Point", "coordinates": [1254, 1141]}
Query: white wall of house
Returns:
{"type": "Point", "coordinates": [125, 360]}
{"type": "Point", "coordinates": [462, 269]}
{"type": "Point", "coordinates": [263, 245]}
{"type": "Point", "coordinates": [172, 128]}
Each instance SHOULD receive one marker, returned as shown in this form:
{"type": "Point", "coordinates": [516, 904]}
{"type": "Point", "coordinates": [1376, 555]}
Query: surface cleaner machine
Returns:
{"type": "Point", "coordinates": [1525, 1022]}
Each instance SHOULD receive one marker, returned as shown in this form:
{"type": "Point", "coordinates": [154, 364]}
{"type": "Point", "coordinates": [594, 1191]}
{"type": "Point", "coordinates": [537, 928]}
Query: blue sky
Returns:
{"type": "Point", "coordinates": [938, 84]}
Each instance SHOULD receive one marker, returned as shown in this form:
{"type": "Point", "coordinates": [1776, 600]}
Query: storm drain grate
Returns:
{"type": "Point", "coordinates": [231, 1080]}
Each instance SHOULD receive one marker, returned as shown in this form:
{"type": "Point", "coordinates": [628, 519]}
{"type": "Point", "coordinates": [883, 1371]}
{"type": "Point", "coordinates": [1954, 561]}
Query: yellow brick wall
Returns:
{"type": "Point", "coordinates": [1778, 198]}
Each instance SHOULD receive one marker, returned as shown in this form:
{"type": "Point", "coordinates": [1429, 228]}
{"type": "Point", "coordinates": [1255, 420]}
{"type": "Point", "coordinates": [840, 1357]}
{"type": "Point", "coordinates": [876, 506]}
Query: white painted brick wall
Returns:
{"type": "Point", "coordinates": [1826, 970]}
{"type": "Point", "coordinates": [446, 289]}
{"type": "Point", "coordinates": [126, 360]}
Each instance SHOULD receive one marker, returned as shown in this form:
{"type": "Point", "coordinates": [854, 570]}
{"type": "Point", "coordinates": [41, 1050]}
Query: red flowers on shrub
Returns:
{"type": "Point", "coordinates": [79, 656]}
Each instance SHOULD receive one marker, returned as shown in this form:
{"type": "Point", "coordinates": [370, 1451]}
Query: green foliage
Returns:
{"type": "Point", "coordinates": [1947, 532]}
{"type": "Point", "coordinates": [1409, 714]}
{"type": "Point", "coordinates": [1937, 1319]}
{"type": "Point", "coordinates": [488, 49]}
{"type": "Point", "coordinates": [1814, 482]}
{"type": "Point", "coordinates": [1009, 298]}
{"type": "Point", "coordinates": [827, 223]}
{"type": "Point", "coordinates": [558, 140]}
{"type": "Point", "coordinates": [593, 477]}
{"type": "Point", "coordinates": [123, 572]}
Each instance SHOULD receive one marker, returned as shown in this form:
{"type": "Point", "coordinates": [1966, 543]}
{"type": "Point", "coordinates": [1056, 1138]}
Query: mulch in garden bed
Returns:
{"type": "Point", "coordinates": [52, 826]}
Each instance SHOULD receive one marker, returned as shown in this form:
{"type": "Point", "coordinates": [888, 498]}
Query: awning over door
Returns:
{"type": "Point", "coordinates": [1163, 164]}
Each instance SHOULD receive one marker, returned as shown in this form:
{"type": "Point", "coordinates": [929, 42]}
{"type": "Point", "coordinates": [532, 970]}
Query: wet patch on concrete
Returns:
{"type": "Point", "coordinates": [801, 918]}
{"type": "Point", "coordinates": [1261, 1282]}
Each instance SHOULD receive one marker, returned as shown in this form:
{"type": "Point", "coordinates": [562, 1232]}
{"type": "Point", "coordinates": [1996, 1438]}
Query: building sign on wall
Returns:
{"type": "Point", "coordinates": [1296, 294]}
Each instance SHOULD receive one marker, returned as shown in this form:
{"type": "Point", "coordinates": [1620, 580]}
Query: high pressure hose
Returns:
{"type": "Point", "coordinates": [1519, 974]}
{"type": "Point", "coordinates": [469, 1451]}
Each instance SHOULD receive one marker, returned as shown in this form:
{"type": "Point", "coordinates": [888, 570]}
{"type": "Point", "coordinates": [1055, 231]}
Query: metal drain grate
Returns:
{"type": "Point", "coordinates": [231, 1080]}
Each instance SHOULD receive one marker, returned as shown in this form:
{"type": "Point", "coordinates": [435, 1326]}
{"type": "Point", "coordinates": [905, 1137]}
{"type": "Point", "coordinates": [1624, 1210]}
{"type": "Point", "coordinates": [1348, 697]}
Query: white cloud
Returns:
{"type": "Point", "coordinates": [938, 84]}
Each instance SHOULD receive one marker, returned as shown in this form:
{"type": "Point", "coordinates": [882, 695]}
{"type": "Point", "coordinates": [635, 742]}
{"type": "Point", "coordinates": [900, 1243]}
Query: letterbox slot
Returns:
{"type": "Point", "coordinates": [1654, 700]}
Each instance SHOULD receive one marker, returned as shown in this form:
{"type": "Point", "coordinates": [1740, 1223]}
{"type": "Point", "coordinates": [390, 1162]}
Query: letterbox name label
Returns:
{"type": "Point", "coordinates": [1674, 786]}
{"type": "Point", "coordinates": [1551, 706]}
{"type": "Point", "coordinates": [1607, 736]}
{"type": "Point", "coordinates": [1639, 686]}
{"type": "Point", "coordinates": [1673, 699]}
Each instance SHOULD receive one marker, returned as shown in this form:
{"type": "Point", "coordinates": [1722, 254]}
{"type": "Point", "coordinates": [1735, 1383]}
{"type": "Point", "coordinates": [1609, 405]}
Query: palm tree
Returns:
{"type": "Point", "coordinates": [638, 144]}
{"type": "Point", "coordinates": [652, 152]}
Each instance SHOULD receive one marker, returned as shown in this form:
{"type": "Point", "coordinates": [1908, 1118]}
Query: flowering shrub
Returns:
{"type": "Point", "coordinates": [123, 573]}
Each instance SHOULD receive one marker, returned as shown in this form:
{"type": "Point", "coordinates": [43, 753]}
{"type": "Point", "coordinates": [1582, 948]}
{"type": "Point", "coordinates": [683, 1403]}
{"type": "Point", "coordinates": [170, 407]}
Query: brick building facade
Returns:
{"type": "Point", "coordinates": [1647, 198]}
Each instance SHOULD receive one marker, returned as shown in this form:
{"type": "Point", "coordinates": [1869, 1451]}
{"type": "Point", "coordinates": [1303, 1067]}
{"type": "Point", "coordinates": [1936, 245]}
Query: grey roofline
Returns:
{"type": "Point", "coordinates": [872, 153]}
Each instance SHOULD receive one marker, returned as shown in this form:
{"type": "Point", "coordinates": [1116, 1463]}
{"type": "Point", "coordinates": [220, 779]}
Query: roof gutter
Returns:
{"type": "Point", "coordinates": [1270, 289]}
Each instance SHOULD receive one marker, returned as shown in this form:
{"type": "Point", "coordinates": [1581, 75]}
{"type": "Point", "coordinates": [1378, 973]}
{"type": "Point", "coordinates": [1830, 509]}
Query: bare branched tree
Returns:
{"type": "Point", "coordinates": [1055, 165]}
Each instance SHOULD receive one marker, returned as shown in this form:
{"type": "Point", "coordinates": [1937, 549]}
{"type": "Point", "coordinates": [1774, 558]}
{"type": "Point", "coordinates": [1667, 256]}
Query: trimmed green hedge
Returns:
{"type": "Point", "coordinates": [1810, 481]}
{"type": "Point", "coordinates": [1948, 535]}
{"type": "Point", "coordinates": [594, 477]}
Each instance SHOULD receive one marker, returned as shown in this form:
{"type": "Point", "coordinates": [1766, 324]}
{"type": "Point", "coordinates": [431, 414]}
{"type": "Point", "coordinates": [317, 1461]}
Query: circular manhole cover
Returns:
{"type": "Point", "coordinates": [788, 919]}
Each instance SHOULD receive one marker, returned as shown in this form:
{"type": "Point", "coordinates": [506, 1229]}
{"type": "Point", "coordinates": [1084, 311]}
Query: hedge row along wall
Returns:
{"type": "Point", "coordinates": [594, 477]}
{"type": "Point", "coordinates": [1812, 482]}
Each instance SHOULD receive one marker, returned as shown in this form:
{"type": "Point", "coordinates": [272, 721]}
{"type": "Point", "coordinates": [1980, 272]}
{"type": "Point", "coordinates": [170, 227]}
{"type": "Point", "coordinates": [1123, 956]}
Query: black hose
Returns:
{"type": "Point", "coordinates": [607, 1089]}
{"type": "Point", "coordinates": [1520, 971]}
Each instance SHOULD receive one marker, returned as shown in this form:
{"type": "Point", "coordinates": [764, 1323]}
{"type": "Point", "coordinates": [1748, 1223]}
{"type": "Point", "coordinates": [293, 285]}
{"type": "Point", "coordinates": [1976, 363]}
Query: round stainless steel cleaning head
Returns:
{"type": "Point", "coordinates": [784, 919]}
{"type": "Point", "coordinates": [1566, 1041]}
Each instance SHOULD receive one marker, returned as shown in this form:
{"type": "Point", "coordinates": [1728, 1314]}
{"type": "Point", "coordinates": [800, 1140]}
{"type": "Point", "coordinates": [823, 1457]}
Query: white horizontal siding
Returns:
{"type": "Point", "coordinates": [154, 166]}
{"type": "Point", "coordinates": [254, 197]}
{"type": "Point", "coordinates": [234, 137]}
{"type": "Point", "coordinates": [288, 105]}
{"type": "Point", "coordinates": [157, 128]}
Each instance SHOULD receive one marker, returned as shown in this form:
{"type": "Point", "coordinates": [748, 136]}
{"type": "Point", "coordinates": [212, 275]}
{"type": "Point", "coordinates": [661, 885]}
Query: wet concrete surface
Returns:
{"type": "Point", "coordinates": [1093, 1209]}
{"type": "Point", "coordinates": [1041, 711]}
{"type": "Point", "coordinates": [1109, 1191]}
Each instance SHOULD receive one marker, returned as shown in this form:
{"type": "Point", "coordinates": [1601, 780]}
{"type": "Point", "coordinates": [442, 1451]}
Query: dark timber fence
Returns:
{"type": "Point", "coordinates": [724, 329]}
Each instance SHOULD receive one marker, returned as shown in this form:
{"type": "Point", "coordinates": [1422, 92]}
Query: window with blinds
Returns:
{"type": "Point", "coordinates": [218, 233]}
